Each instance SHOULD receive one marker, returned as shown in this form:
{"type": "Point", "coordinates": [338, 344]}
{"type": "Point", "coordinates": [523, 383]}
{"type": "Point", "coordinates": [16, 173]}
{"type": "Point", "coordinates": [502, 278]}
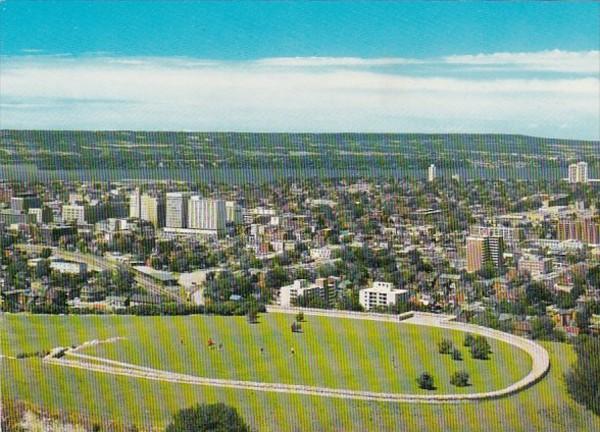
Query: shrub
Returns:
{"type": "Point", "coordinates": [445, 346]}
{"type": "Point", "coordinates": [456, 354]}
{"type": "Point", "coordinates": [480, 348]}
{"type": "Point", "coordinates": [460, 379]}
{"type": "Point", "coordinates": [208, 417]}
{"type": "Point", "coordinates": [425, 381]}
{"type": "Point", "coordinates": [468, 340]}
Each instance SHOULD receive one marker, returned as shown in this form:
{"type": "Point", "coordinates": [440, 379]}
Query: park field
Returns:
{"type": "Point", "coordinates": [330, 352]}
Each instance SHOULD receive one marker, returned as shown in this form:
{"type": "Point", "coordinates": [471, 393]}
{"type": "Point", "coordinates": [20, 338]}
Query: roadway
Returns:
{"type": "Point", "coordinates": [540, 363]}
{"type": "Point", "coordinates": [99, 263]}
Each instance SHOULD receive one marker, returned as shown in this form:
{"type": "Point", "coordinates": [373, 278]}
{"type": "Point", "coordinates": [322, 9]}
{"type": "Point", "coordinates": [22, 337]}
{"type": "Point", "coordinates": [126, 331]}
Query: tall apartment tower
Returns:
{"type": "Point", "coordinates": [234, 213]}
{"type": "Point", "coordinates": [482, 249]}
{"type": "Point", "coordinates": [207, 214]}
{"type": "Point", "coordinates": [135, 203]}
{"type": "Point", "coordinates": [152, 209]}
{"type": "Point", "coordinates": [578, 172]}
{"type": "Point", "coordinates": [431, 173]}
{"type": "Point", "coordinates": [582, 172]}
{"type": "Point", "coordinates": [177, 209]}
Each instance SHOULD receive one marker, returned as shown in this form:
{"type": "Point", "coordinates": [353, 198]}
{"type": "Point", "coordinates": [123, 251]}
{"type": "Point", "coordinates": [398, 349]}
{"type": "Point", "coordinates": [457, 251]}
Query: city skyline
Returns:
{"type": "Point", "coordinates": [307, 67]}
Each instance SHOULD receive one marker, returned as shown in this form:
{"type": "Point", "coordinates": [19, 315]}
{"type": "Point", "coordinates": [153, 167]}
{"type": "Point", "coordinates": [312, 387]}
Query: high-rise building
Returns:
{"type": "Point", "coordinates": [153, 209]}
{"type": "Point", "coordinates": [431, 173]}
{"type": "Point", "coordinates": [582, 172]}
{"type": "Point", "coordinates": [42, 215]}
{"type": "Point", "coordinates": [24, 201]}
{"type": "Point", "coordinates": [578, 172]}
{"type": "Point", "coordinates": [177, 209]}
{"type": "Point", "coordinates": [484, 249]}
{"type": "Point", "coordinates": [234, 213]}
{"type": "Point", "coordinates": [573, 173]}
{"type": "Point", "coordinates": [135, 203]}
{"type": "Point", "coordinates": [207, 214]}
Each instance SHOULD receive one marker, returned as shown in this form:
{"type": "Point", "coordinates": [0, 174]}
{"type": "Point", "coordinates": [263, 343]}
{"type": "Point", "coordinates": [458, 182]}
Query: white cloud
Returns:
{"type": "Point", "coordinates": [552, 60]}
{"type": "Point", "coordinates": [191, 94]}
{"type": "Point", "coordinates": [336, 61]}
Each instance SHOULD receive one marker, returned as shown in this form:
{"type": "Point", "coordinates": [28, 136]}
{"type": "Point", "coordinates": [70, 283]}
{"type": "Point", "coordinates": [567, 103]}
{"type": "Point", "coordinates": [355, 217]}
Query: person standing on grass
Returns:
{"type": "Point", "coordinates": [292, 351]}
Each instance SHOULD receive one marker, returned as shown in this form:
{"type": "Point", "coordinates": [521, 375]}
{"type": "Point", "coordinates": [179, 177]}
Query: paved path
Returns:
{"type": "Point", "coordinates": [540, 364]}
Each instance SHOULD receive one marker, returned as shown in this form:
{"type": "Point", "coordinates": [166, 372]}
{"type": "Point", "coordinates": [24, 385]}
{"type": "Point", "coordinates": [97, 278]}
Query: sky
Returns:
{"type": "Point", "coordinates": [526, 68]}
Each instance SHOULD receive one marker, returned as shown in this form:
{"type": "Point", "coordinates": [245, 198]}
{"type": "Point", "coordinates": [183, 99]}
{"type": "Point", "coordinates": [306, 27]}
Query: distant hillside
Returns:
{"type": "Point", "coordinates": [64, 150]}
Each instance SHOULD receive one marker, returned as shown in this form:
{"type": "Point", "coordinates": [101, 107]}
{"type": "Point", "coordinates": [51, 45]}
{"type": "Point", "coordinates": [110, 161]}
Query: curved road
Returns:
{"type": "Point", "coordinates": [539, 356]}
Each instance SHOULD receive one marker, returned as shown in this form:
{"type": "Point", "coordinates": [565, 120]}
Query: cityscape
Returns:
{"type": "Point", "coordinates": [159, 273]}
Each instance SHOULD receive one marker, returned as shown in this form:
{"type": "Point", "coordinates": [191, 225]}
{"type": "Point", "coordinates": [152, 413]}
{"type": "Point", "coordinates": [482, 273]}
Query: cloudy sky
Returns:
{"type": "Point", "coordinates": [387, 67]}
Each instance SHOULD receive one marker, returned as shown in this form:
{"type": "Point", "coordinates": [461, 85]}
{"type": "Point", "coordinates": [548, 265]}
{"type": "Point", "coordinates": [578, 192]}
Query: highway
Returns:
{"type": "Point", "coordinates": [98, 263]}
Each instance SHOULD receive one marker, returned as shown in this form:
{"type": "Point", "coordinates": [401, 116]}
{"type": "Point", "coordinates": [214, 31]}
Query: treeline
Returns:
{"type": "Point", "coordinates": [229, 308]}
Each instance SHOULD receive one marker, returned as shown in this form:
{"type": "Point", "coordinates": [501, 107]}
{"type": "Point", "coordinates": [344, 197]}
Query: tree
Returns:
{"type": "Point", "coordinates": [456, 354]}
{"type": "Point", "coordinates": [46, 253]}
{"type": "Point", "coordinates": [469, 339]}
{"type": "Point", "coordinates": [460, 379]}
{"type": "Point", "coordinates": [425, 381]}
{"type": "Point", "coordinates": [208, 418]}
{"type": "Point", "coordinates": [480, 348]}
{"type": "Point", "coordinates": [537, 292]}
{"type": "Point", "coordinates": [583, 380]}
{"type": "Point", "coordinates": [123, 279]}
{"type": "Point", "coordinates": [252, 314]}
{"type": "Point", "coordinates": [542, 327]}
{"type": "Point", "coordinates": [445, 346]}
{"type": "Point", "coordinates": [42, 268]}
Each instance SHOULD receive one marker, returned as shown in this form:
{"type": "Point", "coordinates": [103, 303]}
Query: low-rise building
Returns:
{"type": "Point", "coordinates": [301, 287]}
{"type": "Point", "coordinates": [68, 267]}
{"type": "Point", "coordinates": [382, 294]}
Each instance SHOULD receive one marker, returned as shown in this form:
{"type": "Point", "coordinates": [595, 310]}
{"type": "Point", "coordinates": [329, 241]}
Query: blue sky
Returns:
{"type": "Point", "coordinates": [530, 68]}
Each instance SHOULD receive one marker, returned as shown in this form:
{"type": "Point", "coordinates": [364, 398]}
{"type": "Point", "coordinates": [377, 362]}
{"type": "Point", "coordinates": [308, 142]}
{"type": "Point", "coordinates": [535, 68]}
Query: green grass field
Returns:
{"type": "Point", "coordinates": [330, 352]}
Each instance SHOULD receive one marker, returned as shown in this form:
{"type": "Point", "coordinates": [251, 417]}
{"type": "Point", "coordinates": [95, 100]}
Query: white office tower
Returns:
{"type": "Point", "coordinates": [135, 204]}
{"type": "Point", "coordinates": [207, 214]}
{"type": "Point", "coordinates": [177, 209]}
{"type": "Point", "coordinates": [431, 173]}
{"type": "Point", "coordinates": [578, 172]}
{"type": "Point", "coordinates": [582, 172]}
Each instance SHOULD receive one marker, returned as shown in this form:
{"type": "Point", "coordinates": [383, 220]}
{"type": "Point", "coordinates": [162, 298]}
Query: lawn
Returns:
{"type": "Point", "coordinates": [330, 352]}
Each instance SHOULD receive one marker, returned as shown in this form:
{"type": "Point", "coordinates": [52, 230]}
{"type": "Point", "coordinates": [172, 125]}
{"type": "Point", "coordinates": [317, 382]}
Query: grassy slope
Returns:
{"type": "Point", "coordinates": [545, 406]}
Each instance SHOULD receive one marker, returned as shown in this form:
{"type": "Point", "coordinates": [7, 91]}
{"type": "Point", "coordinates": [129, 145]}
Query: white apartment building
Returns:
{"type": "Point", "coordinates": [381, 294]}
{"type": "Point", "coordinates": [578, 172]}
{"type": "Point", "coordinates": [301, 287]}
{"type": "Point", "coordinates": [207, 214]}
{"type": "Point", "coordinates": [177, 209]}
{"type": "Point", "coordinates": [73, 213]}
